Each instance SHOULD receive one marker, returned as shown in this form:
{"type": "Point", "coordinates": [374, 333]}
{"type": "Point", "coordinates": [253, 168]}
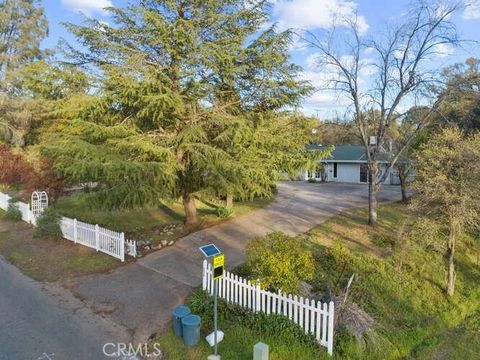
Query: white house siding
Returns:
{"type": "Point", "coordinates": [346, 172]}
{"type": "Point", "coordinates": [388, 179]}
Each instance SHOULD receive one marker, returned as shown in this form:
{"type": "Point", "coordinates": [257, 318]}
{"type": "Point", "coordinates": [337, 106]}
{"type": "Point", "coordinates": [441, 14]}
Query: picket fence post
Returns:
{"type": "Point", "coordinates": [204, 278]}
{"type": "Point", "coordinates": [75, 231]}
{"type": "Point", "coordinates": [330, 328]}
{"type": "Point", "coordinates": [122, 246]}
{"type": "Point", "coordinates": [97, 237]}
{"type": "Point", "coordinates": [258, 305]}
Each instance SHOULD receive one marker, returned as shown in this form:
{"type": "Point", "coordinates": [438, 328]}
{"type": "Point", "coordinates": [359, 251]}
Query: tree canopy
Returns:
{"type": "Point", "coordinates": [23, 25]}
{"type": "Point", "coordinates": [461, 105]}
{"type": "Point", "coordinates": [191, 97]}
{"type": "Point", "coordinates": [447, 181]}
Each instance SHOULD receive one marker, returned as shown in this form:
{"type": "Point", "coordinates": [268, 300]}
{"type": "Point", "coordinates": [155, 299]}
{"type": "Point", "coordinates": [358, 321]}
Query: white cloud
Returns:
{"type": "Point", "coordinates": [316, 14]}
{"type": "Point", "coordinates": [444, 50]}
{"type": "Point", "coordinates": [327, 99]}
{"type": "Point", "coordinates": [88, 7]}
{"type": "Point", "coordinates": [472, 10]}
{"type": "Point", "coordinates": [312, 61]}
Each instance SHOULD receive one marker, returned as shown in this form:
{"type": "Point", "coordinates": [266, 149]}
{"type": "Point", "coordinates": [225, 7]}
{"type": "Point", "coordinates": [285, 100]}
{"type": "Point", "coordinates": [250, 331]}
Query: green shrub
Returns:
{"type": "Point", "coordinates": [280, 262]}
{"type": "Point", "coordinates": [48, 225]}
{"type": "Point", "coordinates": [13, 212]}
{"type": "Point", "coordinates": [223, 212]}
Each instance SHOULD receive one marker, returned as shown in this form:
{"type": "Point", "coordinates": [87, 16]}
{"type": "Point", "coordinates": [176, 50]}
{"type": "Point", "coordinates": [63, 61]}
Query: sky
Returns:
{"type": "Point", "coordinates": [306, 15]}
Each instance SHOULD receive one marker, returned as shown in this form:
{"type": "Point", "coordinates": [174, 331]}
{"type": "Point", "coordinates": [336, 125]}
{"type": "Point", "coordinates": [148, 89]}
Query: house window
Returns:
{"type": "Point", "coordinates": [334, 169]}
{"type": "Point", "coordinates": [318, 172]}
{"type": "Point", "coordinates": [309, 174]}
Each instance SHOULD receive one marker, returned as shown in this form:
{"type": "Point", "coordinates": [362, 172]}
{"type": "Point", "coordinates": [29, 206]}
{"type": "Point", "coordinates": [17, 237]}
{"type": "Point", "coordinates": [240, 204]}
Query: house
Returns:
{"type": "Point", "coordinates": [348, 163]}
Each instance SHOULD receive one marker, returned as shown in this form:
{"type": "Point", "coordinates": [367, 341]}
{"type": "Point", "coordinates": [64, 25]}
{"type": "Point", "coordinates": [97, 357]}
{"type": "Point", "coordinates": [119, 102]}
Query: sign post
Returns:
{"type": "Point", "coordinates": [218, 267]}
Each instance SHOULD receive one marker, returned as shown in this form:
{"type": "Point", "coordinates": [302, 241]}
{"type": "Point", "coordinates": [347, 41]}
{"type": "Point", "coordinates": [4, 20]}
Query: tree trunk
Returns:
{"type": "Point", "coordinates": [403, 186]}
{"type": "Point", "coordinates": [402, 176]}
{"type": "Point", "coordinates": [451, 254]}
{"type": "Point", "coordinates": [372, 194]}
{"type": "Point", "coordinates": [229, 202]}
{"type": "Point", "coordinates": [190, 208]}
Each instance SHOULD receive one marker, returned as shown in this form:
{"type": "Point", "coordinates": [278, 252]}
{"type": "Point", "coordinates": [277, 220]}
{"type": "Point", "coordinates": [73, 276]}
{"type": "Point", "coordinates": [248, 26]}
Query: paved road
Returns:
{"type": "Point", "coordinates": [45, 322]}
{"type": "Point", "coordinates": [144, 292]}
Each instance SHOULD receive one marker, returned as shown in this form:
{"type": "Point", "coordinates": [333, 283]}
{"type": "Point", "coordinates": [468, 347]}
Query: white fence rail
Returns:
{"type": "Point", "coordinates": [312, 316]}
{"type": "Point", "coordinates": [107, 241]}
{"type": "Point", "coordinates": [27, 214]}
{"type": "Point", "coordinates": [98, 238]}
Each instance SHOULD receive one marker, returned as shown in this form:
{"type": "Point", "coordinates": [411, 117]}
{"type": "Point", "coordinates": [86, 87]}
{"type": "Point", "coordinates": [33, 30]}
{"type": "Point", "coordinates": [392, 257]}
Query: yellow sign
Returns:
{"type": "Point", "coordinates": [218, 266]}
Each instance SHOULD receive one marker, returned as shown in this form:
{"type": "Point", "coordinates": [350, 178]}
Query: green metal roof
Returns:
{"type": "Point", "coordinates": [352, 153]}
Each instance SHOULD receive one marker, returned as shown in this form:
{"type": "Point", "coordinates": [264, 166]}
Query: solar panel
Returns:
{"type": "Point", "coordinates": [210, 250]}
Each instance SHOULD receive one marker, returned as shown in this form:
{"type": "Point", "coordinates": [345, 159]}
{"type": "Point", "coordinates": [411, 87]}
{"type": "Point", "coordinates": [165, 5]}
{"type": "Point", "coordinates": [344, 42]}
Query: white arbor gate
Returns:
{"type": "Point", "coordinates": [39, 202]}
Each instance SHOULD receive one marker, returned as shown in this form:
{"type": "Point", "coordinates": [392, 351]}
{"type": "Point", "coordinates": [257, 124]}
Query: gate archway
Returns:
{"type": "Point", "coordinates": [39, 202]}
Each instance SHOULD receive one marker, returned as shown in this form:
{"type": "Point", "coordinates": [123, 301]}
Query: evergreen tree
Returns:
{"type": "Point", "coordinates": [461, 105]}
{"type": "Point", "coordinates": [192, 99]}
{"type": "Point", "coordinates": [23, 26]}
{"type": "Point", "coordinates": [38, 91]}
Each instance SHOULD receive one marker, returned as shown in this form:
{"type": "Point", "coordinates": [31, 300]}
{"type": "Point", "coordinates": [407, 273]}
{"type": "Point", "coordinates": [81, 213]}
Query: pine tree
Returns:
{"type": "Point", "coordinates": [192, 99]}
{"type": "Point", "coordinates": [23, 26]}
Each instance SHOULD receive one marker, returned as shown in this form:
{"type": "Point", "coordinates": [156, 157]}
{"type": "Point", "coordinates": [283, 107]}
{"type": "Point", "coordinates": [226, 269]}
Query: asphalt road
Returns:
{"type": "Point", "coordinates": [42, 322]}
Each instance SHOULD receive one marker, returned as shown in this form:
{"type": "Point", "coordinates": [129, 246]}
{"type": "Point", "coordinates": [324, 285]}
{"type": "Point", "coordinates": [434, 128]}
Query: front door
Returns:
{"type": "Point", "coordinates": [363, 173]}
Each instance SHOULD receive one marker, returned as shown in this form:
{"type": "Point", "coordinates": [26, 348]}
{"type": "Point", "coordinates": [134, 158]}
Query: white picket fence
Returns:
{"type": "Point", "coordinates": [312, 316]}
{"type": "Point", "coordinates": [96, 237]}
{"type": "Point", "coordinates": [27, 214]}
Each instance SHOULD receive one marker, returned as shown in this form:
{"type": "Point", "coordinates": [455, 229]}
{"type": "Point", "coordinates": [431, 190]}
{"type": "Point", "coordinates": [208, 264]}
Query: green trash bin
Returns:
{"type": "Point", "coordinates": [191, 329]}
{"type": "Point", "coordinates": [178, 313]}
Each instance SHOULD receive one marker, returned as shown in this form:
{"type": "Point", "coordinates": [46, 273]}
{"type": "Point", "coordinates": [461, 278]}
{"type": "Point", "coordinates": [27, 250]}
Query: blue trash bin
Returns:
{"type": "Point", "coordinates": [191, 329]}
{"type": "Point", "coordinates": [178, 313]}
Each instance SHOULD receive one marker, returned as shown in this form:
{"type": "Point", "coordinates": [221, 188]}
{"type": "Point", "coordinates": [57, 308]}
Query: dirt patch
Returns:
{"type": "Point", "coordinates": [104, 308]}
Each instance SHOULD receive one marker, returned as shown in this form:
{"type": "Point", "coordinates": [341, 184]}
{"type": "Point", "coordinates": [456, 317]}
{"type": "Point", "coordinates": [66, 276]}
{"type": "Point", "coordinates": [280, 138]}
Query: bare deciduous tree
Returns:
{"type": "Point", "coordinates": [385, 74]}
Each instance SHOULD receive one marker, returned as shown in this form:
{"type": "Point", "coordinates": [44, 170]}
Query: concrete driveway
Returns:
{"type": "Point", "coordinates": [143, 294]}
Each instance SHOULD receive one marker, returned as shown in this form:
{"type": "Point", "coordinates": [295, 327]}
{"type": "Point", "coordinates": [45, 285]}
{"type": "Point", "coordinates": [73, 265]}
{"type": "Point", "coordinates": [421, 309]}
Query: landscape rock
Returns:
{"type": "Point", "coordinates": [170, 243]}
{"type": "Point", "coordinates": [164, 242]}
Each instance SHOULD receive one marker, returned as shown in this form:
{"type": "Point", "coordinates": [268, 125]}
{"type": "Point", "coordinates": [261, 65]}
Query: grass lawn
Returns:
{"type": "Point", "coordinates": [47, 259]}
{"type": "Point", "coordinates": [150, 222]}
{"type": "Point", "coordinates": [238, 344]}
{"type": "Point", "coordinates": [399, 282]}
